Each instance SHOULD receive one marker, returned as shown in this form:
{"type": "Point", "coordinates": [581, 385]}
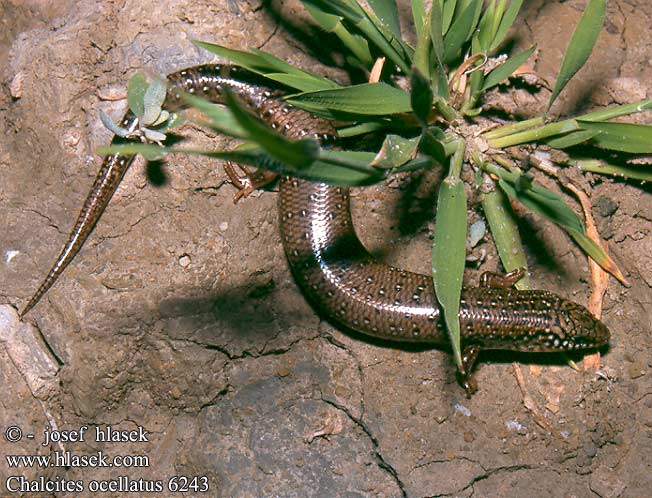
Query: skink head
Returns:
{"type": "Point", "coordinates": [578, 328]}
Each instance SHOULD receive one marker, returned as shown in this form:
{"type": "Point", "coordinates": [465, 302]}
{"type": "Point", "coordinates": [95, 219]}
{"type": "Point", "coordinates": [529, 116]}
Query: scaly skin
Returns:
{"type": "Point", "coordinates": [331, 265]}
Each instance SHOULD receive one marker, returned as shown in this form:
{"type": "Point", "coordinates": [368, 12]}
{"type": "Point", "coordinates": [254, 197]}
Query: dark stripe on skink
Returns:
{"type": "Point", "coordinates": [331, 265]}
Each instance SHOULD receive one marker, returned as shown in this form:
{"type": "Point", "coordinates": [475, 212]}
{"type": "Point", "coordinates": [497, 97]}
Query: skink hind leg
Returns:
{"type": "Point", "coordinates": [501, 280]}
{"type": "Point", "coordinates": [247, 181]}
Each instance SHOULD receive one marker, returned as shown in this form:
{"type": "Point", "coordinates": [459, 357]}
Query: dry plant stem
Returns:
{"type": "Point", "coordinates": [528, 402]}
{"type": "Point", "coordinates": [463, 70]}
{"type": "Point", "coordinates": [374, 75]}
{"type": "Point", "coordinates": [599, 277]}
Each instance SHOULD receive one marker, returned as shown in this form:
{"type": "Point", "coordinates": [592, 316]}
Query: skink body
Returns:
{"type": "Point", "coordinates": [332, 266]}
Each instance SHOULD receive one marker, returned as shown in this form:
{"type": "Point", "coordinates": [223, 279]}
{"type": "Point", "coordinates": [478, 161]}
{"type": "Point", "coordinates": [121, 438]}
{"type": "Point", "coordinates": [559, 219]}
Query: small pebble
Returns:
{"type": "Point", "coordinates": [223, 226]}
{"type": "Point", "coordinates": [462, 409]}
{"type": "Point", "coordinates": [11, 254]}
{"type": "Point", "coordinates": [606, 207]}
{"type": "Point", "coordinates": [16, 86]}
{"type": "Point", "coordinates": [184, 260]}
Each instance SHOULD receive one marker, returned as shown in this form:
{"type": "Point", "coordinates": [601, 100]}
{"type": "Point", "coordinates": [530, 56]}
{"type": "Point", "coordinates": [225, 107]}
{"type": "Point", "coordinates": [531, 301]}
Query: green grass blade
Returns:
{"type": "Point", "coordinates": [460, 30]}
{"type": "Point", "coordinates": [250, 61]}
{"type": "Point", "coordinates": [432, 145]}
{"type": "Point", "coordinates": [283, 67]}
{"type": "Point", "coordinates": [420, 97]}
{"type": "Point", "coordinates": [505, 23]}
{"type": "Point", "coordinates": [343, 168]}
{"type": "Point", "coordinates": [329, 171]}
{"type": "Point", "coordinates": [623, 137]}
{"type": "Point", "coordinates": [349, 10]}
{"type": "Point", "coordinates": [572, 139]}
{"type": "Point", "coordinates": [641, 172]}
{"type": "Point", "coordinates": [361, 129]}
{"type": "Point", "coordinates": [504, 230]}
{"type": "Point", "coordinates": [581, 45]}
{"type": "Point", "coordinates": [439, 77]}
{"type": "Point", "coordinates": [506, 69]}
{"type": "Point", "coordinates": [373, 99]}
{"type": "Point", "coordinates": [556, 210]}
{"type": "Point", "coordinates": [510, 129]}
{"type": "Point", "coordinates": [330, 23]}
{"type": "Point", "coordinates": [533, 135]}
{"type": "Point", "coordinates": [261, 62]}
{"type": "Point", "coordinates": [297, 153]}
{"type": "Point", "coordinates": [421, 162]}
{"type": "Point", "coordinates": [418, 16]}
{"type": "Point", "coordinates": [596, 252]}
{"type": "Point", "coordinates": [221, 118]}
{"type": "Point", "coordinates": [387, 12]}
{"type": "Point", "coordinates": [436, 31]}
{"type": "Point", "coordinates": [422, 51]}
{"type": "Point", "coordinates": [449, 254]}
{"type": "Point", "coordinates": [395, 152]}
{"type": "Point", "coordinates": [447, 9]}
{"type": "Point", "coordinates": [133, 148]}
{"type": "Point", "coordinates": [549, 205]}
{"type": "Point", "coordinates": [485, 30]}
{"type": "Point", "coordinates": [327, 22]}
{"type": "Point", "coordinates": [392, 47]}
{"type": "Point", "coordinates": [618, 111]}
{"type": "Point", "coordinates": [537, 198]}
{"type": "Point", "coordinates": [301, 82]}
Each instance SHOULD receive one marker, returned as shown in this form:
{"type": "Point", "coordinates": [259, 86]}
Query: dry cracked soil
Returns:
{"type": "Point", "coordinates": [180, 316]}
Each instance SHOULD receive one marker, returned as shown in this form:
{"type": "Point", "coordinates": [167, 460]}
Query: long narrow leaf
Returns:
{"type": "Point", "coordinates": [221, 118]}
{"type": "Point", "coordinates": [596, 253]}
{"type": "Point", "coordinates": [447, 8]}
{"type": "Point", "coordinates": [449, 254]}
{"type": "Point", "coordinates": [301, 82]}
{"type": "Point", "coordinates": [506, 69]}
{"type": "Point", "coordinates": [371, 27]}
{"type": "Point", "coordinates": [439, 78]}
{"type": "Point", "coordinates": [369, 98]}
{"type": "Point", "coordinates": [297, 153]}
{"type": "Point", "coordinates": [623, 137]}
{"type": "Point", "coordinates": [640, 172]}
{"type": "Point", "coordinates": [537, 198]}
{"type": "Point", "coordinates": [581, 45]}
{"type": "Point", "coordinates": [343, 168]}
{"type": "Point", "coordinates": [437, 32]}
{"type": "Point", "coordinates": [395, 152]}
{"type": "Point", "coordinates": [261, 62]}
{"type": "Point", "coordinates": [557, 211]}
{"type": "Point", "coordinates": [506, 22]}
{"type": "Point", "coordinates": [460, 30]}
{"type": "Point", "coordinates": [504, 230]}
{"type": "Point", "coordinates": [420, 97]}
{"type": "Point", "coordinates": [572, 139]}
{"type": "Point", "coordinates": [486, 27]}
{"type": "Point", "coordinates": [418, 16]}
{"type": "Point", "coordinates": [387, 12]}
{"type": "Point", "coordinates": [333, 24]}
{"type": "Point", "coordinates": [352, 11]}
{"type": "Point", "coordinates": [422, 51]}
